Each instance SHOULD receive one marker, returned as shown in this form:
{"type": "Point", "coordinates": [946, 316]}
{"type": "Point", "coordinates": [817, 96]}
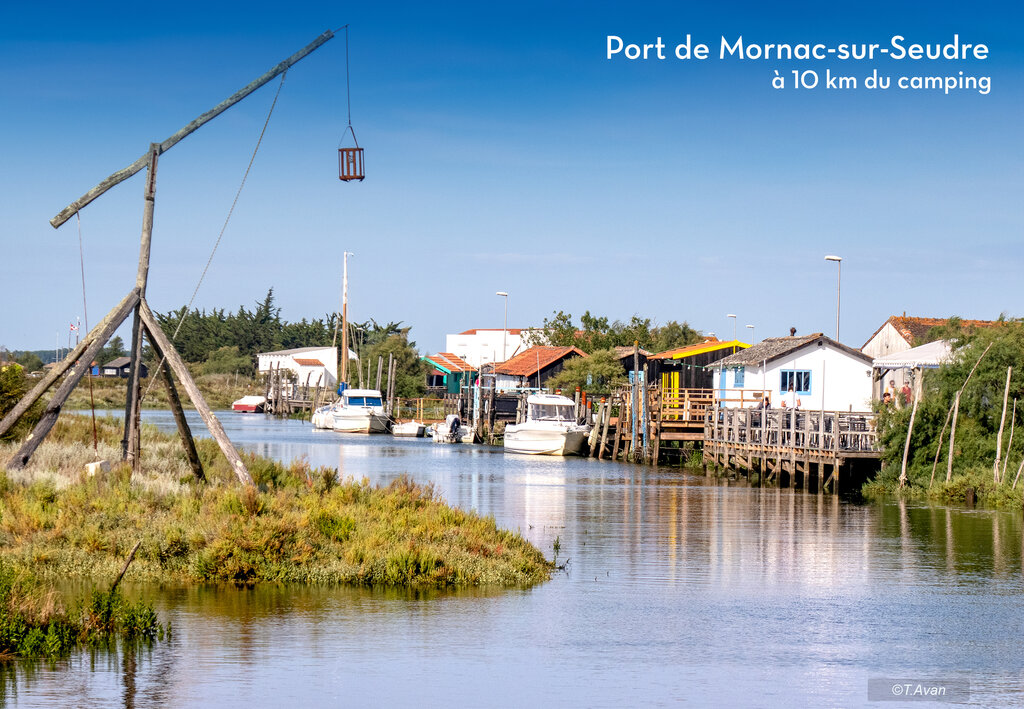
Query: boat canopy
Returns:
{"type": "Point", "coordinates": [363, 397]}
{"type": "Point", "coordinates": [551, 407]}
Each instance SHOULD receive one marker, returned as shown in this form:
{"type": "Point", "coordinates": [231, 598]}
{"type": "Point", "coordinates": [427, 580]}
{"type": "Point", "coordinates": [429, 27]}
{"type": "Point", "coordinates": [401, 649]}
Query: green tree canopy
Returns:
{"type": "Point", "coordinates": [599, 373]}
{"type": "Point", "coordinates": [596, 333]}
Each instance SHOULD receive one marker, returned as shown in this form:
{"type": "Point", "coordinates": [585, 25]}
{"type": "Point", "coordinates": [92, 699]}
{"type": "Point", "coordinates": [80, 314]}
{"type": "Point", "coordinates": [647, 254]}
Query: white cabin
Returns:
{"type": "Point", "coordinates": [311, 365]}
{"type": "Point", "coordinates": [824, 373]}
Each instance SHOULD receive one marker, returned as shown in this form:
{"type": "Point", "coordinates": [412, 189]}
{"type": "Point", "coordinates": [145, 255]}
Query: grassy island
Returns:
{"type": "Point", "coordinates": [299, 524]}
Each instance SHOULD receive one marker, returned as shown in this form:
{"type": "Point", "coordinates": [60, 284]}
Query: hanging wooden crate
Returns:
{"type": "Point", "coordinates": [350, 164]}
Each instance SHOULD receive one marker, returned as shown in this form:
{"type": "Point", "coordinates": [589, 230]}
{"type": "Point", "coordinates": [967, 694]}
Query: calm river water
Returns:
{"type": "Point", "coordinates": [679, 591]}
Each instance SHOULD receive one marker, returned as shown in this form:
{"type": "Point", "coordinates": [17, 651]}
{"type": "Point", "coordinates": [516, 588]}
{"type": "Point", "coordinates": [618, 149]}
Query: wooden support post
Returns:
{"type": "Point", "coordinates": [619, 423]}
{"type": "Point", "coordinates": [491, 414]}
{"type": "Point", "coordinates": [46, 382]}
{"type": "Point", "coordinates": [184, 432]}
{"type": "Point", "coordinates": [131, 441]}
{"type": "Point", "coordinates": [906, 445]}
{"type": "Point", "coordinates": [1002, 422]}
{"type": "Point", "coordinates": [53, 408]}
{"type": "Point", "coordinates": [952, 436]}
{"type": "Point", "coordinates": [179, 368]}
{"type": "Point", "coordinates": [604, 429]}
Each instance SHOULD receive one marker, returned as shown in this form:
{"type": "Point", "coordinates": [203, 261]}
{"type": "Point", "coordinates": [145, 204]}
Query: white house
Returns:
{"type": "Point", "coordinates": [311, 365]}
{"type": "Point", "coordinates": [481, 346]}
{"type": "Point", "coordinates": [824, 374]}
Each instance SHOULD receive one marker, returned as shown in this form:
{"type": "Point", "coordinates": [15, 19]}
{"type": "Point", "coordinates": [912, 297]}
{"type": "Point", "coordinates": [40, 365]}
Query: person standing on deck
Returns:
{"type": "Point", "coordinates": [791, 400]}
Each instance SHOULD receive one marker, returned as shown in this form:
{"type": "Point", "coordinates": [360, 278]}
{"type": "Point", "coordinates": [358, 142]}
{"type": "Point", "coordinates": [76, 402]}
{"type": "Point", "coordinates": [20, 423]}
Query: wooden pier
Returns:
{"type": "Point", "coordinates": [802, 445]}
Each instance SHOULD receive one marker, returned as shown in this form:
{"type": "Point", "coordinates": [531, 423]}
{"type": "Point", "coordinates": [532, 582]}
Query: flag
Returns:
{"type": "Point", "coordinates": [74, 328]}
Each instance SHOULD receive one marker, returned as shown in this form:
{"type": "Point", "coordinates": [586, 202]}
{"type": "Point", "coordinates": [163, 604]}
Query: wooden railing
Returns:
{"type": "Point", "coordinates": [686, 405]}
{"type": "Point", "coordinates": [743, 398]}
{"type": "Point", "coordinates": [838, 432]}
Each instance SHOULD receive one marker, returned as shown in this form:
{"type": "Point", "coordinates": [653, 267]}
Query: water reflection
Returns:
{"type": "Point", "coordinates": [678, 589]}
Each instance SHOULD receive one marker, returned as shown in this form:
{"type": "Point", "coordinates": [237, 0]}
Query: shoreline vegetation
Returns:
{"type": "Point", "coordinates": [965, 444]}
{"type": "Point", "coordinates": [299, 524]}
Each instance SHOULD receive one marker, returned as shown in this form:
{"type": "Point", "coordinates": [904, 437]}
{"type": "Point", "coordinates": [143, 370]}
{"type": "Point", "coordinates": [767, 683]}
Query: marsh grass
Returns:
{"type": "Point", "coordinates": [35, 623]}
{"type": "Point", "coordinates": [299, 524]}
{"type": "Point", "coordinates": [219, 390]}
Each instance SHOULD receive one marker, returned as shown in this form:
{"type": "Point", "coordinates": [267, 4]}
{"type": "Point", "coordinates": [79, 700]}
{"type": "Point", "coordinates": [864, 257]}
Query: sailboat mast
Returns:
{"type": "Point", "coordinates": [344, 319]}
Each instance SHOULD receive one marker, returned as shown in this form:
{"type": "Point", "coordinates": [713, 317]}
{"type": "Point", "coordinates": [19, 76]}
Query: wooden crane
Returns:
{"type": "Point", "coordinates": [78, 360]}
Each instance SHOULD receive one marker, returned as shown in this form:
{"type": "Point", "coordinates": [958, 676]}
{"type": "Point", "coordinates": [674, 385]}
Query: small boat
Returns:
{"type": "Point", "coordinates": [359, 411]}
{"type": "Point", "coordinates": [250, 404]}
{"type": "Point", "coordinates": [409, 429]}
{"type": "Point", "coordinates": [550, 428]}
{"type": "Point", "coordinates": [451, 430]}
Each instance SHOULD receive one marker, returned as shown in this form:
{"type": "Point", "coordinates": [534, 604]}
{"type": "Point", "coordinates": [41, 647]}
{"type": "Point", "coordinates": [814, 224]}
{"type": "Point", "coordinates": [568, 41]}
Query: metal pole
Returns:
{"type": "Point", "coordinates": [839, 278]}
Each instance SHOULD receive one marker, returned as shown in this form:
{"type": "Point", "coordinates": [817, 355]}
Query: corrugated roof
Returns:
{"type": "Point", "coordinates": [627, 351]}
{"type": "Point", "coordinates": [448, 362]}
{"type": "Point", "coordinates": [529, 362]}
{"type": "Point", "coordinates": [475, 330]}
{"type": "Point", "coordinates": [119, 362]}
{"type": "Point", "coordinates": [709, 345]}
{"type": "Point", "coordinates": [774, 347]}
{"type": "Point", "coordinates": [302, 362]}
{"type": "Point", "coordinates": [296, 350]}
{"type": "Point", "coordinates": [915, 330]}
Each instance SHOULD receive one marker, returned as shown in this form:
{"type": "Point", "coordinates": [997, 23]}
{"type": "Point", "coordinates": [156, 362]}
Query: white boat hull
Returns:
{"type": "Point", "coordinates": [536, 441]}
{"type": "Point", "coordinates": [359, 422]}
{"type": "Point", "coordinates": [409, 429]}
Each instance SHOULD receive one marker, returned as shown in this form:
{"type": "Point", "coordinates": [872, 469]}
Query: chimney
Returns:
{"type": "Point", "coordinates": [792, 332]}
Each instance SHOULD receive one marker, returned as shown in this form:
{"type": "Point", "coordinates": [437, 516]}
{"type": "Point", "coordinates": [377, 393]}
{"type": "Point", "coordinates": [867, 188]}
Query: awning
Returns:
{"type": "Point", "coordinates": [928, 356]}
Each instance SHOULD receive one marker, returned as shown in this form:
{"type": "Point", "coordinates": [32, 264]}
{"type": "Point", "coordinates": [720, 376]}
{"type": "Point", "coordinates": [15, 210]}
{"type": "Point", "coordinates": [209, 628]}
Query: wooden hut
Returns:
{"type": "Point", "coordinates": [688, 367]}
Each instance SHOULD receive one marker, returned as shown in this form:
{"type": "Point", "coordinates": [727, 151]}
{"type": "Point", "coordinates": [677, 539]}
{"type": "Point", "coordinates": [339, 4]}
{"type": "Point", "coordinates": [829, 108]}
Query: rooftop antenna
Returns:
{"type": "Point", "coordinates": [80, 358]}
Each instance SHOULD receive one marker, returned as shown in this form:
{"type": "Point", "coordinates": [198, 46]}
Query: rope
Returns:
{"type": "Point", "coordinates": [223, 229]}
{"type": "Point", "coordinates": [348, 90]}
{"type": "Point", "coordinates": [85, 314]}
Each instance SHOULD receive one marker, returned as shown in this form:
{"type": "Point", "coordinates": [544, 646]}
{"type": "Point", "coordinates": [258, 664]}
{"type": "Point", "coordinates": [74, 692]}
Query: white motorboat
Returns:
{"type": "Point", "coordinates": [409, 429]}
{"type": "Point", "coordinates": [359, 411]}
{"type": "Point", "coordinates": [550, 428]}
{"type": "Point", "coordinates": [452, 430]}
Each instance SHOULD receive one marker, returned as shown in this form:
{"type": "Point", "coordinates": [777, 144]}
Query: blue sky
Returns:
{"type": "Point", "coordinates": [505, 152]}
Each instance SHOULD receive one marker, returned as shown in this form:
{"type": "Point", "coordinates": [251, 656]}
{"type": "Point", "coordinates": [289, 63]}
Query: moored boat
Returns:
{"type": "Point", "coordinates": [250, 404]}
{"type": "Point", "coordinates": [409, 429]}
{"type": "Point", "coordinates": [359, 411]}
{"type": "Point", "coordinates": [550, 428]}
{"type": "Point", "coordinates": [452, 430]}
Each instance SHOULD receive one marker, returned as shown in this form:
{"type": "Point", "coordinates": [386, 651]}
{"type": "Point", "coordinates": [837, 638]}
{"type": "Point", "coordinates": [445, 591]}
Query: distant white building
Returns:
{"type": "Point", "coordinates": [482, 346]}
{"type": "Point", "coordinates": [311, 365]}
{"type": "Point", "coordinates": [824, 374]}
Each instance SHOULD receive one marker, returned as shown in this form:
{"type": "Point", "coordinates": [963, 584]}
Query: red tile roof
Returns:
{"type": "Point", "coordinates": [915, 330]}
{"type": "Point", "coordinates": [308, 362]}
{"type": "Point", "coordinates": [511, 330]}
{"type": "Point", "coordinates": [450, 362]}
{"type": "Point", "coordinates": [529, 362]}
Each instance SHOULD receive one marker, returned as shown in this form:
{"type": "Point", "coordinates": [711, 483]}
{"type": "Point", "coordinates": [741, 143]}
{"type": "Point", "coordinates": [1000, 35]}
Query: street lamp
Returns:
{"type": "Point", "coordinates": [839, 275]}
{"type": "Point", "coordinates": [751, 333]}
{"type": "Point", "coordinates": [733, 316]}
{"type": "Point", "coordinates": [504, 329]}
